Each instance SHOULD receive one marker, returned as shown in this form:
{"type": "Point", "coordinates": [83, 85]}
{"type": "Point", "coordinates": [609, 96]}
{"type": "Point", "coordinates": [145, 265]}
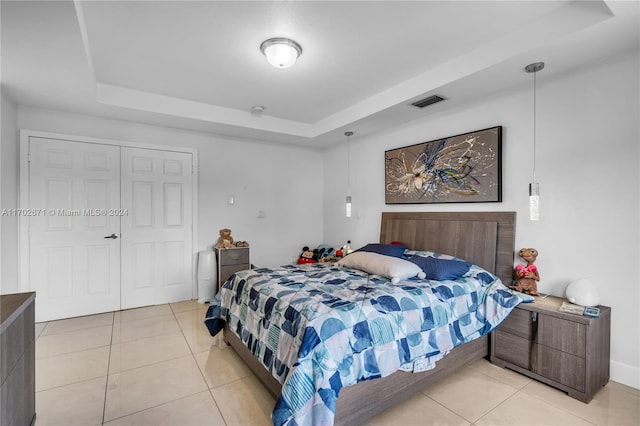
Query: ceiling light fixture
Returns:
{"type": "Point", "coordinates": [257, 110]}
{"type": "Point", "coordinates": [348, 201]}
{"type": "Point", "coordinates": [534, 187]}
{"type": "Point", "coordinates": [281, 52]}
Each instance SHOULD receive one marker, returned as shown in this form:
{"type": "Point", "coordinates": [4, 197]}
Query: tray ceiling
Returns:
{"type": "Point", "coordinates": [197, 65]}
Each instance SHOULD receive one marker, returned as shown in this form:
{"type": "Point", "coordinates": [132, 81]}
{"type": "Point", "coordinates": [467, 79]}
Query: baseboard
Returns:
{"type": "Point", "coordinates": [625, 374]}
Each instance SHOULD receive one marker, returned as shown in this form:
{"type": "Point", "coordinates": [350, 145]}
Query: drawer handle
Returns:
{"type": "Point", "coordinates": [534, 339]}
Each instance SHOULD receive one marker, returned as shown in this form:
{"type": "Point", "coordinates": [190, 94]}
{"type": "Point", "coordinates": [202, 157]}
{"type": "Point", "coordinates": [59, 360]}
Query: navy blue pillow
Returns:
{"type": "Point", "coordinates": [441, 269]}
{"type": "Point", "coordinates": [394, 250]}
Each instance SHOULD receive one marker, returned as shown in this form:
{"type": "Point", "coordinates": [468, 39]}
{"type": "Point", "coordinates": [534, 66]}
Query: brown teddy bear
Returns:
{"type": "Point", "coordinates": [526, 276]}
{"type": "Point", "coordinates": [226, 240]}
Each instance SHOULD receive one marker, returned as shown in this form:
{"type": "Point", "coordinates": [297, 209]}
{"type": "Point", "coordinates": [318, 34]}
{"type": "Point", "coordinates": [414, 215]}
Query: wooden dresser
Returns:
{"type": "Point", "coordinates": [230, 261]}
{"type": "Point", "coordinates": [17, 359]}
{"type": "Point", "coordinates": [567, 351]}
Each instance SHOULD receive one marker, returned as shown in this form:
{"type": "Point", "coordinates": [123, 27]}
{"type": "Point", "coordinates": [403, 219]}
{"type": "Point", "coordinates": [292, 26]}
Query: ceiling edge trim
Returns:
{"type": "Point", "coordinates": [85, 37]}
{"type": "Point", "coordinates": [524, 39]}
{"type": "Point", "coordinates": [152, 102]}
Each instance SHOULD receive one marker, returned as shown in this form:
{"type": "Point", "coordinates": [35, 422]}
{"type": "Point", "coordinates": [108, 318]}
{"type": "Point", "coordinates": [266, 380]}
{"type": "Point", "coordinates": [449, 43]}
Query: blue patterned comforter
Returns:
{"type": "Point", "coordinates": [319, 328]}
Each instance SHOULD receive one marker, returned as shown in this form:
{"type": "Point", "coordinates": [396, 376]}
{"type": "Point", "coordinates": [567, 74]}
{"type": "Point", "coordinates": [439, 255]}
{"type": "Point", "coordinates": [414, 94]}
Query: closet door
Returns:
{"type": "Point", "coordinates": [156, 227]}
{"type": "Point", "coordinates": [74, 190]}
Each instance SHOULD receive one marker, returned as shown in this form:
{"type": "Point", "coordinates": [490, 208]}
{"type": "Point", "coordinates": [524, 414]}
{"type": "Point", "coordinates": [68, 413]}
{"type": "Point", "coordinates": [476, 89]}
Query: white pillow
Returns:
{"type": "Point", "coordinates": [394, 268]}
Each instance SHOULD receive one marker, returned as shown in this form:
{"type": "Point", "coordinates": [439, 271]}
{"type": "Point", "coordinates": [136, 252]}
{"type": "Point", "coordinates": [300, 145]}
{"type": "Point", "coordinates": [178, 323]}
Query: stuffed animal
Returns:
{"type": "Point", "coordinates": [306, 256]}
{"type": "Point", "coordinates": [323, 253]}
{"type": "Point", "coordinates": [242, 244]}
{"type": "Point", "coordinates": [225, 240]}
{"type": "Point", "coordinates": [346, 249]}
{"type": "Point", "coordinates": [527, 275]}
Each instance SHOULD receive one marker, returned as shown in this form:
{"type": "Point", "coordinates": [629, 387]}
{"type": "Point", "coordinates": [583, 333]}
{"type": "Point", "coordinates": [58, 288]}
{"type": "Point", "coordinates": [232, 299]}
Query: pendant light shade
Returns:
{"type": "Point", "coordinates": [534, 187]}
{"type": "Point", "coordinates": [348, 199]}
{"type": "Point", "coordinates": [534, 201]}
{"type": "Point", "coordinates": [348, 206]}
{"type": "Point", "coordinates": [281, 52]}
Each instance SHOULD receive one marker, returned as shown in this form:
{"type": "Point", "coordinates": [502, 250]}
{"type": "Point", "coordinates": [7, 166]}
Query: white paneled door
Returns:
{"type": "Point", "coordinates": [157, 232]}
{"type": "Point", "coordinates": [110, 227]}
{"type": "Point", "coordinates": [73, 268]}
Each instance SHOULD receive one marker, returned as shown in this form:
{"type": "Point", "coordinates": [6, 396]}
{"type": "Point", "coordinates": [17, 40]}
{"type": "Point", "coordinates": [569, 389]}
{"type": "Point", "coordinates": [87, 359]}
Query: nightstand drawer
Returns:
{"type": "Point", "coordinates": [560, 367]}
{"type": "Point", "coordinates": [513, 349]}
{"type": "Point", "coordinates": [563, 335]}
{"type": "Point", "coordinates": [519, 323]}
{"type": "Point", "coordinates": [233, 256]}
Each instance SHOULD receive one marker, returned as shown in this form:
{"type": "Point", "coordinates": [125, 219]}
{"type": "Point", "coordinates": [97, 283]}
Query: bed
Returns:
{"type": "Point", "coordinates": [307, 374]}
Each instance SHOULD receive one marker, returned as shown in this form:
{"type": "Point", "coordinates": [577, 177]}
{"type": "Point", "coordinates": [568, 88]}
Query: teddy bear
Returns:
{"type": "Point", "coordinates": [527, 275]}
{"type": "Point", "coordinates": [225, 240]}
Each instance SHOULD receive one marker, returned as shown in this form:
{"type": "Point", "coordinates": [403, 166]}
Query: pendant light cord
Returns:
{"type": "Point", "coordinates": [348, 135]}
{"type": "Point", "coordinates": [534, 126]}
{"type": "Point", "coordinates": [534, 187]}
{"type": "Point", "coordinates": [349, 165]}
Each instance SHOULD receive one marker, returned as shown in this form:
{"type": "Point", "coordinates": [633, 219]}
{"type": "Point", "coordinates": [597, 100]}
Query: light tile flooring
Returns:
{"type": "Point", "coordinates": [159, 366]}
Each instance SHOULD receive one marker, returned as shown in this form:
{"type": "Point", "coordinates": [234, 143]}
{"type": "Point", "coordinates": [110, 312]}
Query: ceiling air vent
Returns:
{"type": "Point", "coordinates": [428, 101]}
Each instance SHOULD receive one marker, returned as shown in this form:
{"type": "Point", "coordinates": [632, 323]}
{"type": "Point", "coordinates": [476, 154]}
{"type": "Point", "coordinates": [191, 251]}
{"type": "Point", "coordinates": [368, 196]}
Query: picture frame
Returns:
{"type": "Point", "coordinates": [465, 168]}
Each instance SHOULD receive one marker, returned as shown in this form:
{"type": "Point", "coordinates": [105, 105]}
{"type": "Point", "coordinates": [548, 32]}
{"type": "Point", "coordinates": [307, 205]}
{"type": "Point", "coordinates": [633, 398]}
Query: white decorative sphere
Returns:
{"type": "Point", "coordinates": [582, 292]}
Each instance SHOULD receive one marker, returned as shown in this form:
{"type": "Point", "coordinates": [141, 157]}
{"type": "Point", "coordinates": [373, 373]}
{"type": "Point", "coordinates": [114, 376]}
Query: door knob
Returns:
{"type": "Point", "coordinates": [112, 236]}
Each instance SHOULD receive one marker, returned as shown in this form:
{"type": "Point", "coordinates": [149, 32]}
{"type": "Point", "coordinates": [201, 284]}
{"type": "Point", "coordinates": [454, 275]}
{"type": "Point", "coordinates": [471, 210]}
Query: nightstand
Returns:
{"type": "Point", "coordinates": [230, 261]}
{"type": "Point", "coordinates": [567, 351]}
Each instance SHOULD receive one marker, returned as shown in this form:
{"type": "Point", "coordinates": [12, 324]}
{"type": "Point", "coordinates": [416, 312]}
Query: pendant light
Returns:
{"type": "Point", "coordinates": [348, 200]}
{"type": "Point", "coordinates": [534, 186]}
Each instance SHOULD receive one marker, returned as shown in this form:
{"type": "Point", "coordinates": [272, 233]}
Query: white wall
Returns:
{"type": "Point", "coordinates": [587, 166]}
{"type": "Point", "coordinates": [8, 197]}
{"type": "Point", "coordinates": [266, 177]}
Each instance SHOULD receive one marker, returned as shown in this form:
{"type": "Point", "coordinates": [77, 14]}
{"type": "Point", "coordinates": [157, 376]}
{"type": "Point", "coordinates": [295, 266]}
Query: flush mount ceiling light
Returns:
{"type": "Point", "coordinates": [281, 52]}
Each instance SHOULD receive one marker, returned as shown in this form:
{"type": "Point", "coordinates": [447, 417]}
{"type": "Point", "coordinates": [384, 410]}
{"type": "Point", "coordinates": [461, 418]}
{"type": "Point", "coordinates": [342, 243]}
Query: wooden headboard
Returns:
{"type": "Point", "coordinates": [484, 238]}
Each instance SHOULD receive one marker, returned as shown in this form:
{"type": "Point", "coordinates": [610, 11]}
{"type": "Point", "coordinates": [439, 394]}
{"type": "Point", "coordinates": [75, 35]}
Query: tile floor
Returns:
{"type": "Point", "coordinates": [159, 366]}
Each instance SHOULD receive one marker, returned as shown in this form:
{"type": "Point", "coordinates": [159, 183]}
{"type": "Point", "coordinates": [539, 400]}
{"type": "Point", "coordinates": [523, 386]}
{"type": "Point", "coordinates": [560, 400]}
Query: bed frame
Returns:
{"type": "Point", "coordinates": [484, 238]}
